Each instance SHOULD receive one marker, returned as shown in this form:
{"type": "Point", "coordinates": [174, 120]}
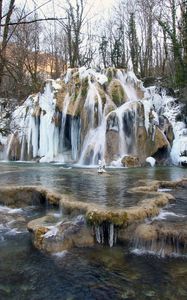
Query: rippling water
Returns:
{"type": "Point", "coordinates": [96, 273]}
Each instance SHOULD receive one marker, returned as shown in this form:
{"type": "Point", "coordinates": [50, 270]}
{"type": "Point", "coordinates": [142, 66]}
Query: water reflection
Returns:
{"type": "Point", "coordinates": [85, 184]}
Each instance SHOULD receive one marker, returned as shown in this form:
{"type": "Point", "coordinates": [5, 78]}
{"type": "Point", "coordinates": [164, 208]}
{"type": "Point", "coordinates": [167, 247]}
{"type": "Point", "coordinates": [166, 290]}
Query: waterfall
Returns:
{"type": "Point", "coordinates": [94, 143]}
{"type": "Point", "coordinates": [94, 127]}
{"type": "Point", "coordinates": [33, 131]}
{"type": "Point", "coordinates": [122, 142]}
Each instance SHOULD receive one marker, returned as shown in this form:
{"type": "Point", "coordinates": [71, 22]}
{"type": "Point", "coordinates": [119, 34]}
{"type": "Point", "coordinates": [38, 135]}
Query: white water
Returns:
{"type": "Point", "coordinates": [151, 161]}
{"type": "Point", "coordinates": [128, 80]}
{"type": "Point", "coordinates": [93, 147]}
{"type": "Point", "coordinates": [168, 107]}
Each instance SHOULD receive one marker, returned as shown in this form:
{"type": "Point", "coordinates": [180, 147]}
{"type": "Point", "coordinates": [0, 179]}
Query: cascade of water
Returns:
{"type": "Point", "coordinates": [9, 145]}
{"type": "Point", "coordinates": [94, 142]}
{"type": "Point", "coordinates": [19, 124]}
{"type": "Point", "coordinates": [124, 133]}
{"type": "Point", "coordinates": [49, 136]}
{"type": "Point", "coordinates": [162, 247]}
{"type": "Point", "coordinates": [33, 132]}
{"type": "Point", "coordinates": [168, 106]}
{"type": "Point", "coordinates": [127, 81]}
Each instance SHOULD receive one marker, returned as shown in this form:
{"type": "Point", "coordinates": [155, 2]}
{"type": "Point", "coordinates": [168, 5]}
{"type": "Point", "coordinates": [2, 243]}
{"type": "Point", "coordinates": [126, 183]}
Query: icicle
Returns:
{"type": "Point", "coordinates": [75, 137]}
{"type": "Point", "coordinates": [98, 234]}
{"type": "Point", "coordinates": [111, 235]}
{"type": "Point", "coordinates": [22, 148]}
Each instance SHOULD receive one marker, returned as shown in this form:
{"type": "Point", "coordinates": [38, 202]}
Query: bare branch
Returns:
{"type": "Point", "coordinates": [32, 21]}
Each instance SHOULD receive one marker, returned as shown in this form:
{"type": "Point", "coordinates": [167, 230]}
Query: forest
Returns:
{"type": "Point", "coordinates": [146, 36]}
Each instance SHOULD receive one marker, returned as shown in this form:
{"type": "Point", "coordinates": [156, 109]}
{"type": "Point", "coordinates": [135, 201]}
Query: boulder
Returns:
{"type": "Point", "coordinates": [53, 236]}
{"type": "Point", "coordinates": [148, 146]}
{"type": "Point", "coordinates": [130, 161]}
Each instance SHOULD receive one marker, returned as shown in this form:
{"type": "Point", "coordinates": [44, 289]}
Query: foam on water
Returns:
{"type": "Point", "coordinates": [6, 209]}
{"type": "Point", "coordinates": [163, 215]}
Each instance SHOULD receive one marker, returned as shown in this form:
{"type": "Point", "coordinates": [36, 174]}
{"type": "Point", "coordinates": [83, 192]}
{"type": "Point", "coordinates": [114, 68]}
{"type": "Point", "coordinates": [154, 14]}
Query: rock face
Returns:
{"type": "Point", "coordinates": [86, 116]}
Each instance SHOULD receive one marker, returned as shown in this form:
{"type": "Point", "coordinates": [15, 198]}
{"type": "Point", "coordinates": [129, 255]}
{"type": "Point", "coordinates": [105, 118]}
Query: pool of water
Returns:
{"type": "Point", "coordinates": [88, 273]}
{"type": "Point", "coordinates": [86, 185]}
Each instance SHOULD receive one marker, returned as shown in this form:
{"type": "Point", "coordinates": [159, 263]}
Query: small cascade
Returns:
{"type": "Point", "coordinates": [163, 247]}
{"type": "Point", "coordinates": [124, 121]}
{"type": "Point", "coordinates": [106, 234]}
{"type": "Point", "coordinates": [160, 238]}
{"type": "Point", "coordinates": [9, 145]}
{"type": "Point", "coordinates": [128, 80]}
{"type": "Point", "coordinates": [122, 140]}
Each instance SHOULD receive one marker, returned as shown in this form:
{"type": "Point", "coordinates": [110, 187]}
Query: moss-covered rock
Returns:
{"type": "Point", "coordinates": [110, 73]}
{"type": "Point", "coordinates": [98, 217]}
{"type": "Point", "coordinates": [116, 92]}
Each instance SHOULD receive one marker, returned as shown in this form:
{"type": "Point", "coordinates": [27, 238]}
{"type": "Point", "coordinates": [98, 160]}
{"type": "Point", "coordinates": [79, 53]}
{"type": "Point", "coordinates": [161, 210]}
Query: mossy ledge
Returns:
{"type": "Point", "coordinates": [83, 232]}
{"type": "Point", "coordinates": [16, 196]}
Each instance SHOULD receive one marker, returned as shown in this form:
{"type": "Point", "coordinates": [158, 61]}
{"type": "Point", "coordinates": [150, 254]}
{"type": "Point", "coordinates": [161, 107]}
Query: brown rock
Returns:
{"type": "Point", "coordinates": [130, 161]}
{"type": "Point", "coordinates": [112, 146]}
{"type": "Point", "coordinates": [146, 146]}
